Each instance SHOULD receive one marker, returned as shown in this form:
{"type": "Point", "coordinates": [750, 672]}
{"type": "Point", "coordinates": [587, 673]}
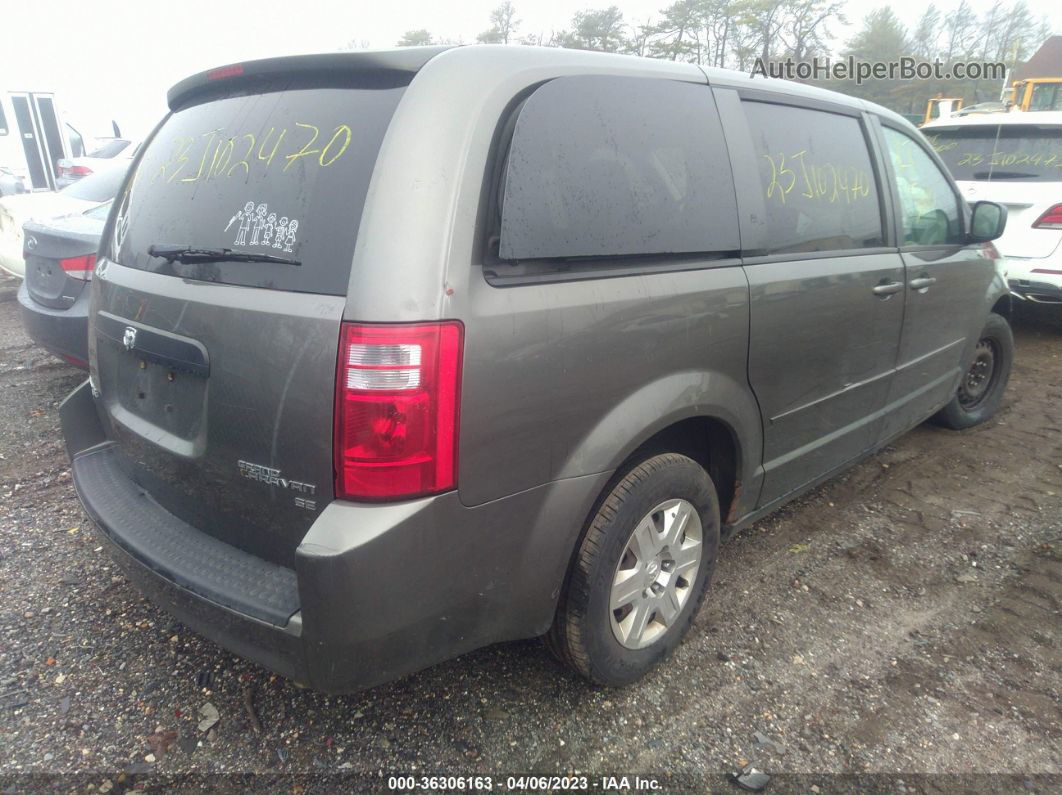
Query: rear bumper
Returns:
{"type": "Point", "coordinates": [1039, 292]}
{"type": "Point", "coordinates": [63, 332]}
{"type": "Point", "coordinates": [1038, 280]}
{"type": "Point", "coordinates": [378, 591]}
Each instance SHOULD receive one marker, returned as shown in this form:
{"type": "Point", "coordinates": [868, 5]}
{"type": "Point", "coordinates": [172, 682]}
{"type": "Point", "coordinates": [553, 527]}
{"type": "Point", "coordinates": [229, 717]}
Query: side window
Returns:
{"type": "Point", "coordinates": [817, 179]}
{"type": "Point", "coordinates": [929, 209]}
{"type": "Point", "coordinates": [3, 121]}
{"type": "Point", "coordinates": [617, 166]}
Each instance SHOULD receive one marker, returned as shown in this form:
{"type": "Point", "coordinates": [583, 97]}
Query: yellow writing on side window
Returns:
{"type": "Point", "coordinates": [827, 182]}
{"type": "Point", "coordinates": [216, 159]}
{"type": "Point", "coordinates": [1017, 158]}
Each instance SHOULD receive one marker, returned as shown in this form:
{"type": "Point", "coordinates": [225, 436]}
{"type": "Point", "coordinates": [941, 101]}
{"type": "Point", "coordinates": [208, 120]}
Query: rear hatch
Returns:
{"type": "Point", "coordinates": [216, 372]}
{"type": "Point", "coordinates": [1017, 165]}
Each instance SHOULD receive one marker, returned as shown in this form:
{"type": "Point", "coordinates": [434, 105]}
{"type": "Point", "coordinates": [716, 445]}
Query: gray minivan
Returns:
{"type": "Point", "coordinates": [397, 354]}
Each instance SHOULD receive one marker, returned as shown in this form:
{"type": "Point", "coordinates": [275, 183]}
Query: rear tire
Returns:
{"type": "Point", "coordinates": [641, 572]}
{"type": "Point", "coordinates": [981, 389]}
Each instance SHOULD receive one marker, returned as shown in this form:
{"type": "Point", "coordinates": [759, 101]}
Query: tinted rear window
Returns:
{"type": "Point", "coordinates": [617, 166]}
{"type": "Point", "coordinates": [1000, 153]}
{"type": "Point", "coordinates": [282, 172]}
{"type": "Point", "coordinates": [99, 187]}
{"type": "Point", "coordinates": [817, 179]}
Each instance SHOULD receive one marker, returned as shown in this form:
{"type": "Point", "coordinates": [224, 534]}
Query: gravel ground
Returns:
{"type": "Point", "coordinates": [899, 624]}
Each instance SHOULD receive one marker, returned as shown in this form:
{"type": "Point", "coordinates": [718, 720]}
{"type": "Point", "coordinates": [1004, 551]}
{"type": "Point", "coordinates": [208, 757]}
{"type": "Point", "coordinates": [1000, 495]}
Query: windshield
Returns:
{"type": "Point", "coordinates": [283, 173]}
{"type": "Point", "coordinates": [109, 149]}
{"type": "Point", "coordinates": [98, 187]}
{"type": "Point", "coordinates": [1000, 152]}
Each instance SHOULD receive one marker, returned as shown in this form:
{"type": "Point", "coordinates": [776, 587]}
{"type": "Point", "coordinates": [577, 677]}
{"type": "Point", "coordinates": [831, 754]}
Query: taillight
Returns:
{"type": "Point", "coordinates": [1052, 219]}
{"type": "Point", "coordinates": [74, 171]}
{"type": "Point", "coordinates": [232, 70]}
{"type": "Point", "coordinates": [79, 267]}
{"type": "Point", "coordinates": [397, 406]}
{"type": "Point", "coordinates": [989, 251]}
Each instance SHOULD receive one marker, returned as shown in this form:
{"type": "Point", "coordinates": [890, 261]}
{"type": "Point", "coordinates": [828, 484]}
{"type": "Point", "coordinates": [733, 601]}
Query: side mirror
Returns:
{"type": "Point", "coordinates": [987, 222]}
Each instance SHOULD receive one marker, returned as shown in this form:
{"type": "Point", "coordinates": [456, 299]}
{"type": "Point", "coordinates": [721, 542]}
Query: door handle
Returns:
{"type": "Point", "coordinates": [887, 289]}
{"type": "Point", "coordinates": [922, 283]}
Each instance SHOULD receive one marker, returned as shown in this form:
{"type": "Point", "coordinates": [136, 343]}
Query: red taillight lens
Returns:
{"type": "Point", "coordinates": [397, 406]}
{"type": "Point", "coordinates": [1052, 219]}
{"type": "Point", "coordinates": [79, 267]}
{"type": "Point", "coordinates": [990, 251]}
{"type": "Point", "coordinates": [232, 70]}
{"type": "Point", "coordinates": [77, 171]}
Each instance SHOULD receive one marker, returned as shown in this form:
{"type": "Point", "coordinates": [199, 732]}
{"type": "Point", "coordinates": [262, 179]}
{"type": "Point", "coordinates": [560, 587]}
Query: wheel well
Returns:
{"type": "Point", "coordinates": [709, 442]}
{"type": "Point", "coordinates": [1004, 306]}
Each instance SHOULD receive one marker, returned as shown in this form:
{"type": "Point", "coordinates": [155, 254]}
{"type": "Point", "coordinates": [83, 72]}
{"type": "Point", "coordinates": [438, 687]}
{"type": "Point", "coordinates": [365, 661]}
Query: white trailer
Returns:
{"type": "Point", "coordinates": [34, 136]}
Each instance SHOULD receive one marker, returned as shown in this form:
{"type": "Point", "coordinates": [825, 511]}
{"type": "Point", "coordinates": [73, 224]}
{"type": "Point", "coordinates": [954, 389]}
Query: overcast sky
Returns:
{"type": "Point", "coordinates": [116, 58]}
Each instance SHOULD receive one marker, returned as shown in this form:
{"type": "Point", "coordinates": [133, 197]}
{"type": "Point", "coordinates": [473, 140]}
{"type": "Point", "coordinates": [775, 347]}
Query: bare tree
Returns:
{"type": "Point", "coordinates": [804, 30]}
{"type": "Point", "coordinates": [960, 28]}
{"type": "Point", "coordinates": [765, 20]}
{"type": "Point", "coordinates": [640, 41]}
{"type": "Point", "coordinates": [926, 36]}
{"type": "Point", "coordinates": [503, 25]}
{"type": "Point", "coordinates": [355, 44]}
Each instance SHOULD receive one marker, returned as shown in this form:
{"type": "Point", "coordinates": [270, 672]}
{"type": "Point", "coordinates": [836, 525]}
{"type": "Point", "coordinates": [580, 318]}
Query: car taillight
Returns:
{"type": "Point", "coordinates": [79, 267]}
{"type": "Point", "coordinates": [989, 250]}
{"type": "Point", "coordinates": [1052, 219]}
{"type": "Point", "coordinates": [74, 171]}
{"type": "Point", "coordinates": [397, 407]}
{"type": "Point", "coordinates": [232, 70]}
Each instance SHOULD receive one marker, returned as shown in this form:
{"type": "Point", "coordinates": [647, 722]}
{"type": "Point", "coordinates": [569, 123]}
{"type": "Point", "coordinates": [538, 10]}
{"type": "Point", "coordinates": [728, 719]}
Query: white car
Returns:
{"type": "Point", "coordinates": [81, 196]}
{"type": "Point", "coordinates": [109, 153]}
{"type": "Point", "coordinates": [1014, 159]}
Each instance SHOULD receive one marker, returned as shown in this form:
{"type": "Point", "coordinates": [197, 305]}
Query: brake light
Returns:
{"type": "Point", "coordinates": [397, 408]}
{"type": "Point", "coordinates": [989, 251]}
{"type": "Point", "coordinates": [1051, 219]}
{"type": "Point", "coordinates": [74, 171]}
{"type": "Point", "coordinates": [222, 72]}
{"type": "Point", "coordinates": [79, 267]}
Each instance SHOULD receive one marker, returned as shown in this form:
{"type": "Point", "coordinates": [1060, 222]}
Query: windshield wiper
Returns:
{"type": "Point", "coordinates": [989, 175]}
{"type": "Point", "coordinates": [189, 254]}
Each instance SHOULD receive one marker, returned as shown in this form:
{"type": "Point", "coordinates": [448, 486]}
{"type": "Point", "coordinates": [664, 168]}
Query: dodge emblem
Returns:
{"type": "Point", "coordinates": [129, 338]}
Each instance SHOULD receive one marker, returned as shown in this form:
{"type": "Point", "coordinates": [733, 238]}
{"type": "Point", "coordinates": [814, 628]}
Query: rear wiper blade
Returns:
{"type": "Point", "coordinates": [189, 254]}
{"type": "Point", "coordinates": [1003, 175]}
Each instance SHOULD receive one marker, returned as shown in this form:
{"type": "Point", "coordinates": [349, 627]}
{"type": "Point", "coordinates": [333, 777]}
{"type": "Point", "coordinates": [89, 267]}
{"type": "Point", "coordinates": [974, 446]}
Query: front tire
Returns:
{"type": "Point", "coordinates": [641, 572]}
{"type": "Point", "coordinates": [981, 389]}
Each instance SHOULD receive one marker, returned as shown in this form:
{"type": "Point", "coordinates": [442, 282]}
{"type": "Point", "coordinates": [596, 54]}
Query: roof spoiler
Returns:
{"type": "Point", "coordinates": [407, 60]}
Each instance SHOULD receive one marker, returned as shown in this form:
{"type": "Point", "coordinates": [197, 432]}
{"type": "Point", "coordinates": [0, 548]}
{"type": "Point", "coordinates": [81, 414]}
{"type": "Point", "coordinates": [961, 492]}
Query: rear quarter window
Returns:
{"type": "Point", "coordinates": [282, 171]}
{"type": "Point", "coordinates": [817, 179]}
{"type": "Point", "coordinates": [617, 166]}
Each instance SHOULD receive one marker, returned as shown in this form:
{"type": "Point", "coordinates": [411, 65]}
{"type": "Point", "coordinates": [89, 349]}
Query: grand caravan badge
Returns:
{"type": "Point", "coordinates": [271, 477]}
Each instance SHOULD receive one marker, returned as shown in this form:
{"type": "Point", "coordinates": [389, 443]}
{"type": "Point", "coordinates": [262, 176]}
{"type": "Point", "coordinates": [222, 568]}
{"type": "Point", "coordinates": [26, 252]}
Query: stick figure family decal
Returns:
{"type": "Point", "coordinates": [264, 228]}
